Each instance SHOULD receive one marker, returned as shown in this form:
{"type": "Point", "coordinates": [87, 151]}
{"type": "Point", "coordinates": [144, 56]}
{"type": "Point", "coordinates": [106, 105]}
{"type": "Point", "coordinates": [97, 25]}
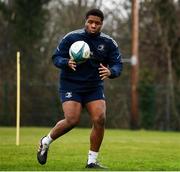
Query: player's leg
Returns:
{"type": "Point", "coordinates": [97, 111]}
{"type": "Point", "coordinates": [72, 110]}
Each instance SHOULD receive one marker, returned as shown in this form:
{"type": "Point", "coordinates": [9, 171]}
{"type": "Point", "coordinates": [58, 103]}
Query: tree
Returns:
{"type": "Point", "coordinates": [158, 37]}
{"type": "Point", "coordinates": [22, 27]}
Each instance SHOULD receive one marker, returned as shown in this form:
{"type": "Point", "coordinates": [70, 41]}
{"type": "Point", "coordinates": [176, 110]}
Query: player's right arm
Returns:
{"type": "Point", "coordinates": [72, 64]}
{"type": "Point", "coordinates": [61, 58]}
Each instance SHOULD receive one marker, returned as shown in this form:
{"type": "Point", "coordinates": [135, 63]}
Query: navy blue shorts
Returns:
{"type": "Point", "coordinates": [82, 97]}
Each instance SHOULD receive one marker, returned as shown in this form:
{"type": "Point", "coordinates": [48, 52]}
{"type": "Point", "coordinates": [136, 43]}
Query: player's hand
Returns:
{"type": "Point", "coordinates": [104, 72]}
{"type": "Point", "coordinates": [72, 64]}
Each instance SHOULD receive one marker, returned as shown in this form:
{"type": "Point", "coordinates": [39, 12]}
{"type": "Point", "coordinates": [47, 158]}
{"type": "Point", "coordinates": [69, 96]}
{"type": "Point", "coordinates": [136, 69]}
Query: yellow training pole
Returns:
{"type": "Point", "coordinates": [18, 99]}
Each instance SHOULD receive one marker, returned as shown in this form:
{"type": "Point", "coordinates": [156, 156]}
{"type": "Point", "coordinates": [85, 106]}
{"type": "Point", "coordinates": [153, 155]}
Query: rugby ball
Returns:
{"type": "Point", "coordinates": [79, 51]}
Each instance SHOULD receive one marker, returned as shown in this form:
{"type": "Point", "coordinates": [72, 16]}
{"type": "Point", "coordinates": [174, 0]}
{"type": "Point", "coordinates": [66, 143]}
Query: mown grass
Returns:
{"type": "Point", "coordinates": [122, 150]}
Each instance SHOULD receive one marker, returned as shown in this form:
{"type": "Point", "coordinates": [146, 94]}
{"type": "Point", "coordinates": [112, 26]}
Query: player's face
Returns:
{"type": "Point", "coordinates": [93, 24]}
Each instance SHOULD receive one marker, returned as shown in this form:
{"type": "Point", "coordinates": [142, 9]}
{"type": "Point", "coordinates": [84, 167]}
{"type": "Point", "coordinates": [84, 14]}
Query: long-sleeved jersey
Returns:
{"type": "Point", "coordinates": [86, 77]}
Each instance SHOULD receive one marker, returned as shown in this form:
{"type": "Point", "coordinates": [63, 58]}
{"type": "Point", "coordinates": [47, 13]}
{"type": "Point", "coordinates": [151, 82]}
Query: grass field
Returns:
{"type": "Point", "coordinates": [121, 150]}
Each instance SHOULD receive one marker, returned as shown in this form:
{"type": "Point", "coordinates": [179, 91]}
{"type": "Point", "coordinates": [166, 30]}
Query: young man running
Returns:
{"type": "Point", "coordinates": [82, 85]}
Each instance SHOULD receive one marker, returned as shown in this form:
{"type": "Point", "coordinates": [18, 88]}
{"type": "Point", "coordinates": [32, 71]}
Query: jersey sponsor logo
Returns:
{"type": "Point", "coordinates": [118, 57]}
{"type": "Point", "coordinates": [101, 47]}
{"type": "Point", "coordinates": [68, 95]}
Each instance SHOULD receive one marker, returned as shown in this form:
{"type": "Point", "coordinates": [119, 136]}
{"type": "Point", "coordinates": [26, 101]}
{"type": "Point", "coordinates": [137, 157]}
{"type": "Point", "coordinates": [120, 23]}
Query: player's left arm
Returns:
{"type": "Point", "coordinates": [115, 65]}
{"type": "Point", "coordinates": [104, 72]}
{"type": "Point", "coordinates": [115, 60]}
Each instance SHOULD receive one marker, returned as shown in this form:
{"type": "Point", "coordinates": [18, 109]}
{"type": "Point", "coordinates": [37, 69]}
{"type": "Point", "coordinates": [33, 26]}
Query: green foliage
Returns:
{"type": "Point", "coordinates": [34, 27]}
{"type": "Point", "coordinates": [176, 58]}
{"type": "Point", "coordinates": [159, 53]}
{"type": "Point", "coordinates": [167, 20]}
{"type": "Point", "coordinates": [177, 97]}
{"type": "Point", "coordinates": [29, 23]}
{"type": "Point", "coordinates": [22, 26]}
{"type": "Point", "coordinates": [147, 99]}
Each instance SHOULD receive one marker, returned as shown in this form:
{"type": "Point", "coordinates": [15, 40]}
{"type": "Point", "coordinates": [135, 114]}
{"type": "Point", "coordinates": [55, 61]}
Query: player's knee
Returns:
{"type": "Point", "coordinates": [73, 121]}
{"type": "Point", "coordinates": [99, 121]}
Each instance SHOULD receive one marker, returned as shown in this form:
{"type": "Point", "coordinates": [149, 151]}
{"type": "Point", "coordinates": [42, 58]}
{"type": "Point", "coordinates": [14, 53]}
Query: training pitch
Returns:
{"type": "Point", "coordinates": [121, 150]}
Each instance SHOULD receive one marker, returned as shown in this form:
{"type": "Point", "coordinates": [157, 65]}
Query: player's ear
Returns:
{"type": "Point", "coordinates": [85, 19]}
{"type": "Point", "coordinates": [86, 22]}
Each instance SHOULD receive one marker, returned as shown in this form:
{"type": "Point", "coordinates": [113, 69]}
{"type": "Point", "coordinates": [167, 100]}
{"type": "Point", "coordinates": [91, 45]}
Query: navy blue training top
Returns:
{"type": "Point", "coordinates": [86, 77]}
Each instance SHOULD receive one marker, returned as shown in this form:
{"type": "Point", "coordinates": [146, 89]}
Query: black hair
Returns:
{"type": "Point", "coordinates": [95, 12]}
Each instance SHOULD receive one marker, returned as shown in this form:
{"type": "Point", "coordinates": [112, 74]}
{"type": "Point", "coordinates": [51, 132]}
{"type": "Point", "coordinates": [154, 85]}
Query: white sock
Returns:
{"type": "Point", "coordinates": [47, 140]}
{"type": "Point", "coordinates": [92, 157]}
